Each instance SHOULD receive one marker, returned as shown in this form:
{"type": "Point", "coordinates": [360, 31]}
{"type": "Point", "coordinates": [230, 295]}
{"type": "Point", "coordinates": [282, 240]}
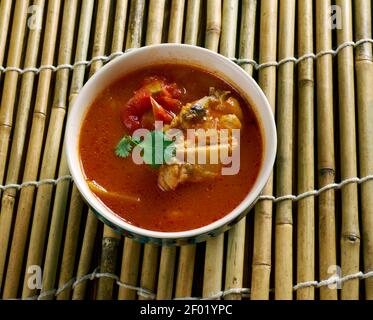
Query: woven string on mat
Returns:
{"type": "Point", "coordinates": [239, 61]}
{"type": "Point", "coordinates": [244, 292]}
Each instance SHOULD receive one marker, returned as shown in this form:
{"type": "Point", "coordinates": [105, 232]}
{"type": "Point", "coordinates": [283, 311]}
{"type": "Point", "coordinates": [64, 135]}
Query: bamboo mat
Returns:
{"type": "Point", "coordinates": [310, 236]}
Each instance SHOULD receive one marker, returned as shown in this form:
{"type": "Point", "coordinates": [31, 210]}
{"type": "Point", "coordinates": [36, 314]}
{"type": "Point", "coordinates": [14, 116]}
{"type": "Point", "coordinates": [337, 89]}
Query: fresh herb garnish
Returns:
{"type": "Point", "coordinates": [125, 146]}
{"type": "Point", "coordinates": [157, 148]}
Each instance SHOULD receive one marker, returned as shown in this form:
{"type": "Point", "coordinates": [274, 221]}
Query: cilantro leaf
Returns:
{"type": "Point", "coordinates": [157, 148]}
{"type": "Point", "coordinates": [125, 145]}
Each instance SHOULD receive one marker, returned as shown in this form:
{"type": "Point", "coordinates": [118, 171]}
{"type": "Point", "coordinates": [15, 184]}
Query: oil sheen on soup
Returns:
{"type": "Point", "coordinates": [176, 196]}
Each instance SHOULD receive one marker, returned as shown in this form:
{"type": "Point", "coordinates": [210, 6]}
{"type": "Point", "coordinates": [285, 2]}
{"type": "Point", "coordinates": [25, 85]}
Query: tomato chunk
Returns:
{"type": "Point", "coordinates": [160, 114]}
{"type": "Point", "coordinates": [165, 94]}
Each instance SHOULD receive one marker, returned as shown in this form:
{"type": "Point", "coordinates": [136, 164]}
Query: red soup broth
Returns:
{"type": "Point", "coordinates": [191, 205]}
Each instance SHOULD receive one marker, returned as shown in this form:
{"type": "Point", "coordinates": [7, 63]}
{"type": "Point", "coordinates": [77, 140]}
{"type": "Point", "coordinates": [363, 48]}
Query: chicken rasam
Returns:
{"type": "Point", "coordinates": [169, 195]}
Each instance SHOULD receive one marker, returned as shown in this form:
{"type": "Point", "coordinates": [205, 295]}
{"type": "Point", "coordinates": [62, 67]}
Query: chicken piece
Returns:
{"type": "Point", "coordinates": [203, 113]}
{"type": "Point", "coordinates": [216, 111]}
{"type": "Point", "coordinates": [229, 121]}
{"type": "Point", "coordinates": [170, 176]}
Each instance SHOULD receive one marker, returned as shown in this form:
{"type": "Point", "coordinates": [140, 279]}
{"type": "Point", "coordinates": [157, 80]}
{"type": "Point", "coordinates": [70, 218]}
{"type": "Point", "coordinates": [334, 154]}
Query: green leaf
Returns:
{"type": "Point", "coordinates": [124, 147]}
{"type": "Point", "coordinates": [157, 148]}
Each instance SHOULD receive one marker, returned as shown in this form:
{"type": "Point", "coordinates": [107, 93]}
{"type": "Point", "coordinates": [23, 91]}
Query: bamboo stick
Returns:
{"type": "Point", "coordinates": [229, 28]}
{"type": "Point", "coordinates": [84, 266]}
{"type": "Point", "coordinates": [175, 32]}
{"type": "Point", "coordinates": [155, 22]}
{"type": "Point", "coordinates": [130, 268]}
{"type": "Point", "coordinates": [364, 78]}
{"type": "Point", "coordinates": [213, 267]}
{"type": "Point", "coordinates": [185, 270]}
{"type": "Point", "coordinates": [100, 34]}
{"type": "Point", "coordinates": [136, 17]}
{"type": "Point", "coordinates": [149, 269]}
{"type": "Point", "coordinates": [306, 207]}
{"type": "Point", "coordinates": [60, 201]}
{"type": "Point", "coordinates": [236, 236]}
{"type": "Point", "coordinates": [110, 244]}
{"type": "Point", "coordinates": [284, 167]}
{"type": "Point", "coordinates": [92, 222]}
{"type": "Point", "coordinates": [70, 244]}
{"type": "Point", "coordinates": [263, 210]}
{"type": "Point", "coordinates": [5, 9]}
{"type": "Point", "coordinates": [247, 35]}
{"type": "Point", "coordinates": [50, 157]}
{"type": "Point", "coordinates": [120, 25]}
{"type": "Point", "coordinates": [213, 24]}
{"type": "Point", "coordinates": [166, 273]}
{"type": "Point", "coordinates": [24, 103]}
{"type": "Point", "coordinates": [235, 259]}
{"type": "Point", "coordinates": [192, 21]}
{"type": "Point", "coordinates": [350, 237]}
{"type": "Point", "coordinates": [132, 249]}
{"type": "Point", "coordinates": [325, 143]}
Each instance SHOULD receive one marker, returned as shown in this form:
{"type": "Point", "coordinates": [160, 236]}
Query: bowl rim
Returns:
{"type": "Point", "coordinates": [110, 216]}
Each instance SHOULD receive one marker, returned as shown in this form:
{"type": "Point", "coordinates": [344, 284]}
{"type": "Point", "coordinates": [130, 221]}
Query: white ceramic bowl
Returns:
{"type": "Point", "coordinates": [183, 54]}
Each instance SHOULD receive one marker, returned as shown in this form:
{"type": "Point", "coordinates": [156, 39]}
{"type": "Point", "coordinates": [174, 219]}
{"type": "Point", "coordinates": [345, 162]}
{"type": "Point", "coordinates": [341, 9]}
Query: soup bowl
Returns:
{"type": "Point", "coordinates": [175, 54]}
